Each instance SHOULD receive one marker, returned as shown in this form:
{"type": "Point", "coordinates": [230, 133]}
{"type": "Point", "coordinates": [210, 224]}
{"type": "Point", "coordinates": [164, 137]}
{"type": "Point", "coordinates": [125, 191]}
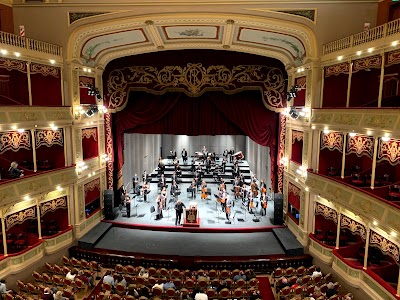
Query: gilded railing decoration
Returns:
{"type": "Point", "coordinates": [49, 137]}
{"type": "Point", "coordinates": [281, 152]}
{"type": "Point", "coordinates": [389, 151]}
{"type": "Point", "coordinates": [194, 79]}
{"type": "Point", "coordinates": [109, 151]}
{"type": "Point", "coordinates": [392, 57]}
{"type": "Point", "coordinates": [292, 189]}
{"type": "Point", "coordinates": [337, 69]}
{"type": "Point", "coordinates": [297, 136]}
{"type": "Point", "coordinates": [327, 212]}
{"type": "Point", "coordinates": [360, 145]}
{"type": "Point", "coordinates": [88, 133]}
{"type": "Point", "coordinates": [301, 82]}
{"type": "Point", "coordinates": [387, 247]}
{"type": "Point", "coordinates": [84, 81]}
{"type": "Point", "coordinates": [332, 141]}
{"type": "Point", "coordinates": [53, 205]}
{"type": "Point", "coordinates": [45, 70]}
{"type": "Point", "coordinates": [20, 217]}
{"type": "Point", "coordinates": [11, 64]}
{"type": "Point", "coordinates": [90, 186]}
{"type": "Point", "coordinates": [15, 141]}
{"type": "Point", "coordinates": [354, 226]}
{"type": "Point", "coordinates": [367, 63]}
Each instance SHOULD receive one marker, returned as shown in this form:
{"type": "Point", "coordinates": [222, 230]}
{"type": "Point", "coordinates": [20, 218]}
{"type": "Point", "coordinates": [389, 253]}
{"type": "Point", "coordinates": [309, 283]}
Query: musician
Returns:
{"type": "Point", "coordinates": [263, 186]}
{"type": "Point", "coordinates": [128, 205]}
{"type": "Point", "coordinates": [173, 153]}
{"type": "Point", "coordinates": [204, 150]}
{"type": "Point", "coordinates": [253, 178]}
{"type": "Point", "coordinates": [264, 204]}
{"type": "Point", "coordinates": [179, 210]}
{"type": "Point", "coordinates": [228, 206]}
{"type": "Point", "coordinates": [236, 187]}
{"type": "Point", "coordinates": [174, 177]}
{"type": "Point", "coordinates": [161, 165]}
{"type": "Point", "coordinates": [184, 155]}
{"type": "Point", "coordinates": [144, 191]}
{"type": "Point", "coordinates": [222, 198]}
{"type": "Point", "coordinates": [178, 170]}
{"type": "Point", "coordinates": [225, 153]}
{"type": "Point", "coordinates": [144, 176]}
{"type": "Point", "coordinates": [174, 188]}
{"type": "Point", "coordinates": [193, 166]}
{"type": "Point", "coordinates": [159, 214]}
{"type": "Point", "coordinates": [192, 188]}
{"type": "Point", "coordinates": [245, 193]}
{"type": "Point", "coordinates": [135, 181]}
{"type": "Point", "coordinates": [222, 185]}
{"type": "Point", "coordinates": [250, 203]}
{"type": "Point", "coordinates": [161, 181]}
{"type": "Point", "coordinates": [235, 171]}
{"type": "Point", "coordinates": [223, 164]}
{"type": "Point", "coordinates": [208, 164]}
{"type": "Point", "coordinates": [203, 190]}
{"type": "Point", "coordinates": [230, 153]}
{"type": "Point", "coordinates": [164, 198]}
{"type": "Point", "coordinates": [213, 156]}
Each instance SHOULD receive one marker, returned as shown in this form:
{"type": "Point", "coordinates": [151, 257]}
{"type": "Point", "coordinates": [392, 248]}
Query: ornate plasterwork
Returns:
{"type": "Point", "coordinates": [14, 141]}
{"type": "Point", "coordinates": [332, 141]}
{"type": "Point", "coordinates": [297, 136]}
{"type": "Point", "coordinates": [360, 145]}
{"type": "Point", "coordinates": [20, 217]}
{"type": "Point", "coordinates": [48, 137]}
{"type": "Point", "coordinates": [354, 226]}
{"type": "Point", "coordinates": [386, 246]}
{"type": "Point", "coordinates": [92, 185]}
{"type": "Point", "coordinates": [81, 202]}
{"type": "Point", "coordinates": [89, 133]}
{"type": "Point", "coordinates": [337, 69]}
{"type": "Point", "coordinates": [53, 205]}
{"type": "Point", "coordinates": [393, 57]}
{"type": "Point", "coordinates": [292, 189]}
{"type": "Point", "coordinates": [389, 151]}
{"type": "Point", "coordinates": [78, 144]}
{"type": "Point", "coordinates": [194, 79]}
{"type": "Point", "coordinates": [109, 151]}
{"type": "Point", "coordinates": [45, 70]}
{"type": "Point", "coordinates": [281, 151]}
{"type": "Point", "coordinates": [367, 62]}
{"type": "Point", "coordinates": [327, 212]}
{"type": "Point", "coordinates": [308, 14]}
{"type": "Point", "coordinates": [11, 64]}
{"type": "Point", "coordinates": [76, 16]}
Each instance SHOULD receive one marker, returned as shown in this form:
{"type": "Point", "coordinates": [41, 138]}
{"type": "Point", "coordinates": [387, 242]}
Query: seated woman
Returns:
{"type": "Point", "coordinates": [14, 171]}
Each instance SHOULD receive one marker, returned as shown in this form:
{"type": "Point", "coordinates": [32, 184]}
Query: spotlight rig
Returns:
{"type": "Point", "coordinates": [93, 91]}
{"type": "Point", "coordinates": [292, 93]}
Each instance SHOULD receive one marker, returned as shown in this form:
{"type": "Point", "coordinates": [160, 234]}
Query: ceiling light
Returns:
{"type": "Point", "coordinates": [21, 130]}
{"type": "Point", "coordinates": [89, 71]}
{"type": "Point", "coordinates": [326, 131]}
{"type": "Point", "coordinates": [369, 132]}
{"type": "Point", "coordinates": [307, 189]}
{"type": "Point", "coordinates": [17, 54]}
{"type": "Point", "coordinates": [59, 188]}
{"type": "Point", "coordinates": [27, 198]}
{"type": "Point", "coordinates": [52, 61]}
{"type": "Point", "coordinates": [375, 223]}
{"type": "Point", "coordinates": [84, 69]}
{"type": "Point", "coordinates": [359, 53]}
{"type": "Point", "coordinates": [313, 127]}
{"type": "Point", "coordinates": [14, 127]}
{"type": "Point", "coordinates": [352, 134]}
{"type": "Point", "coordinates": [394, 43]}
{"type": "Point", "coordinates": [3, 51]}
{"type": "Point", "coordinates": [370, 50]}
{"type": "Point", "coordinates": [385, 139]}
{"type": "Point", "coordinates": [393, 233]}
{"type": "Point", "coordinates": [340, 57]}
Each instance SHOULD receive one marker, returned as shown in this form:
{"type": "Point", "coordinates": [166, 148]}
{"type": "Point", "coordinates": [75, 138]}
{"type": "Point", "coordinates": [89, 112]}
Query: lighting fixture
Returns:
{"type": "Point", "coordinates": [394, 43]}
{"type": "Point", "coordinates": [293, 113]}
{"type": "Point", "coordinates": [52, 61]}
{"type": "Point", "coordinates": [326, 131]}
{"type": "Point", "coordinates": [340, 57]}
{"type": "Point", "coordinates": [91, 111]}
{"type": "Point", "coordinates": [21, 130]}
{"type": "Point", "coordinates": [369, 132]}
{"type": "Point", "coordinates": [59, 188]}
{"type": "Point", "coordinates": [3, 51]}
{"type": "Point", "coordinates": [352, 134]}
{"type": "Point", "coordinates": [393, 233]}
{"type": "Point", "coordinates": [17, 54]}
{"type": "Point", "coordinates": [375, 223]}
{"type": "Point", "coordinates": [313, 127]}
{"type": "Point", "coordinates": [370, 50]}
{"type": "Point", "coordinates": [292, 93]}
{"type": "Point", "coordinates": [93, 91]}
{"type": "Point", "coordinates": [385, 139]}
{"type": "Point", "coordinates": [359, 53]}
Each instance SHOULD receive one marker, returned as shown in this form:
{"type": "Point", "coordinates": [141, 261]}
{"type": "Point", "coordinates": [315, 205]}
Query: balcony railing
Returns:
{"type": "Point", "coordinates": [367, 36]}
{"type": "Point", "coordinates": [29, 44]}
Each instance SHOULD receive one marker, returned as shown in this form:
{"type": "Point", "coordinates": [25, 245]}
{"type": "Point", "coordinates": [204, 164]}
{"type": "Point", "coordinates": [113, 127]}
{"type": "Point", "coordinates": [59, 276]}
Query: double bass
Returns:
{"type": "Point", "coordinates": [254, 189]}
{"type": "Point", "coordinates": [203, 190]}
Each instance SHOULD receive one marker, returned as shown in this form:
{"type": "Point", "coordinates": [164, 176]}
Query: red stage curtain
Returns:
{"type": "Point", "coordinates": [212, 113]}
{"type": "Point", "coordinates": [46, 87]}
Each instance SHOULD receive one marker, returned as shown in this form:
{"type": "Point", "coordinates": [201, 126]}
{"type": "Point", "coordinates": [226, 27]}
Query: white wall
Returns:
{"type": "Point", "coordinates": [259, 160]}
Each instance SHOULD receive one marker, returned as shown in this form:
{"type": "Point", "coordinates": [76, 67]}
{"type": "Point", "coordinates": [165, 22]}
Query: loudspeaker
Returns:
{"type": "Point", "coordinates": [109, 205]}
{"type": "Point", "coordinates": [278, 209]}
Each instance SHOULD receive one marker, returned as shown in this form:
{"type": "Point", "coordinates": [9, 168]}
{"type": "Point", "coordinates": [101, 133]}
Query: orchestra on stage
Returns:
{"type": "Point", "coordinates": [252, 195]}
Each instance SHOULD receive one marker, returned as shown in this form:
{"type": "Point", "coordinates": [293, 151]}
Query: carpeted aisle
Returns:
{"type": "Point", "coordinates": [265, 288]}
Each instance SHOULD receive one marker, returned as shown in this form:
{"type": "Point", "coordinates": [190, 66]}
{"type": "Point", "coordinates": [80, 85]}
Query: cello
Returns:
{"type": "Point", "coordinates": [254, 189]}
{"type": "Point", "coordinates": [203, 190]}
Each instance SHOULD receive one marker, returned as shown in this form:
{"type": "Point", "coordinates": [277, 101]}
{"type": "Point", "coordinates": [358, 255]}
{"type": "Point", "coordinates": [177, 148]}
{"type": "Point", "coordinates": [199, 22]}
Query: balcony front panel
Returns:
{"type": "Point", "coordinates": [358, 120]}
{"type": "Point", "coordinates": [89, 223]}
{"type": "Point", "coordinates": [58, 242]}
{"type": "Point", "coordinates": [324, 253]}
{"type": "Point", "coordinates": [35, 115]}
{"type": "Point", "coordinates": [355, 200]}
{"type": "Point", "coordinates": [13, 191]}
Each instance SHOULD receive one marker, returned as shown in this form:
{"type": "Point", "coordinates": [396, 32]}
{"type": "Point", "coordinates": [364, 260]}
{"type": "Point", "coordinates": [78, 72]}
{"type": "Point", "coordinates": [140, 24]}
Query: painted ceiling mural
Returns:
{"type": "Point", "coordinates": [94, 46]}
{"type": "Point", "coordinates": [191, 32]}
{"type": "Point", "coordinates": [285, 42]}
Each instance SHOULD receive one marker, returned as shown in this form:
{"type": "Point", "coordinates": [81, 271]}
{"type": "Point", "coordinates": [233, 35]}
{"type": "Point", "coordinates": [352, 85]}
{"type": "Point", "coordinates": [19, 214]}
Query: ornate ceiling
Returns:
{"type": "Point", "coordinates": [97, 44]}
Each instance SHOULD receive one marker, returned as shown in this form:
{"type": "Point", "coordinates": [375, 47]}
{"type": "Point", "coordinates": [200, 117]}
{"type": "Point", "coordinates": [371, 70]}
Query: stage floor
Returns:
{"type": "Point", "coordinates": [210, 212]}
{"type": "Point", "coordinates": [256, 244]}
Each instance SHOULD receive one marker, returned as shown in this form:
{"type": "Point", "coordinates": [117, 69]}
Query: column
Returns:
{"type": "Point", "coordinates": [28, 74]}
{"type": "Point", "coordinates": [68, 206]}
{"type": "Point", "coordinates": [62, 86]}
{"type": "Point", "coordinates": [318, 150]}
{"type": "Point", "coordinates": [3, 231]}
{"type": "Point", "coordinates": [381, 79]}
{"type": "Point", "coordinates": [366, 248]}
{"type": "Point", "coordinates": [65, 147]}
{"type": "Point", "coordinates": [313, 216]}
{"type": "Point", "coordinates": [343, 155]}
{"type": "Point", "coordinates": [322, 86]}
{"type": "Point", "coordinates": [374, 162]}
{"type": "Point", "coordinates": [349, 83]}
{"type": "Point", "coordinates": [338, 230]}
{"type": "Point", "coordinates": [39, 220]}
{"type": "Point", "coordinates": [34, 150]}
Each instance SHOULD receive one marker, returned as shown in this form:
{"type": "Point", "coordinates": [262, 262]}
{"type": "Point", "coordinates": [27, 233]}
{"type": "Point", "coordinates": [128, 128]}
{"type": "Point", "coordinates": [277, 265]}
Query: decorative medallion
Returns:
{"type": "Point", "coordinates": [389, 151]}
{"type": "Point", "coordinates": [15, 141]}
{"type": "Point", "coordinates": [332, 141]}
{"type": "Point", "coordinates": [353, 226]}
{"type": "Point", "coordinates": [327, 212]}
{"type": "Point", "coordinates": [49, 137]}
{"type": "Point", "coordinates": [360, 145]}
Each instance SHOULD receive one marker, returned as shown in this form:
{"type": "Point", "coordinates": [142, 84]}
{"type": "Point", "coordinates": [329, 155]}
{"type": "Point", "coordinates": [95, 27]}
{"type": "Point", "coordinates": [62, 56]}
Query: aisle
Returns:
{"type": "Point", "coordinates": [265, 287]}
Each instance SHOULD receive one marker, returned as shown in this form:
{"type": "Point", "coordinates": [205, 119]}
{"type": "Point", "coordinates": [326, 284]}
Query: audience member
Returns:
{"type": "Point", "coordinates": [47, 294]}
{"type": "Point", "coordinates": [71, 274]}
{"type": "Point", "coordinates": [239, 276]}
{"type": "Point", "coordinates": [201, 295]}
{"type": "Point", "coordinates": [121, 279]}
{"type": "Point", "coordinates": [316, 273]}
{"type": "Point", "coordinates": [331, 290]}
{"type": "Point", "coordinates": [14, 171]}
{"type": "Point", "coordinates": [317, 292]}
{"type": "Point", "coordinates": [58, 296]}
{"type": "Point", "coordinates": [109, 278]}
{"type": "Point", "coordinates": [169, 284]}
{"type": "Point", "coordinates": [87, 280]}
{"type": "Point", "coordinates": [284, 283]}
{"type": "Point", "coordinates": [298, 283]}
{"type": "Point", "coordinates": [159, 285]}
{"type": "Point", "coordinates": [256, 295]}
{"type": "Point", "coordinates": [144, 273]}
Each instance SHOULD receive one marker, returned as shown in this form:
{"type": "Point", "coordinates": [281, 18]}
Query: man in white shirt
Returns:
{"type": "Point", "coordinates": [71, 275]}
{"type": "Point", "coordinates": [201, 295]}
{"type": "Point", "coordinates": [316, 273]}
{"type": "Point", "coordinates": [3, 288]}
{"type": "Point", "coordinates": [159, 285]}
{"type": "Point", "coordinates": [109, 278]}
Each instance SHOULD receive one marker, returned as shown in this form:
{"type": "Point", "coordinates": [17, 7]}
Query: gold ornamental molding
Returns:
{"type": "Point", "coordinates": [358, 120]}
{"type": "Point", "coordinates": [194, 79]}
{"type": "Point", "coordinates": [36, 115]}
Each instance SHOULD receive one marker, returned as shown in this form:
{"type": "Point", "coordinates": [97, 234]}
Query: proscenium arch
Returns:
{"type": "Point", "coordinates": [228, 24]}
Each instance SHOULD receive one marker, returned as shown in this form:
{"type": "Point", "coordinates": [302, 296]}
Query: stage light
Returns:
{"type": "Point", "coordinates": [93, 109]}
{"type": "Point", "coordinates": [292, 93]}
{"type": "Point", "coordinates": [293, 113]}
{"type": "Point", "coordinates": [93, 91]}
{"type": "Point", "coordinates": [52, 61]}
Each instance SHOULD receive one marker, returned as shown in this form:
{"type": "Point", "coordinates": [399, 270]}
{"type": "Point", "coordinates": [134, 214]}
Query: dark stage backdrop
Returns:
{"type": "Point", "coordinates": [213, 113]}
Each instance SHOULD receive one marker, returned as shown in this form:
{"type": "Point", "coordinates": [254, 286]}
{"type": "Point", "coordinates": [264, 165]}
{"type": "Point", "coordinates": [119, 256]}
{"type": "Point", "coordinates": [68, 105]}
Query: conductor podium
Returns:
{"type": "Point", "coordinates": [191, 215]}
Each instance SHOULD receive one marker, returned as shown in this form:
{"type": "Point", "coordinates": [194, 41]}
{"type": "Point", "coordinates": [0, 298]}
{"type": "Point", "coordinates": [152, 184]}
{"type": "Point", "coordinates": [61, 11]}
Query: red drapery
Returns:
{"type": "Point", "coordinates": [45, 85]}
{"type": "Point", "coordinates": [212, 113]}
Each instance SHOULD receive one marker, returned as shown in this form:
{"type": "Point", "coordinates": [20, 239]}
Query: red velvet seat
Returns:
{"type": "Point", "coordinates": [394, 192]}
{"type": "Point", "coordinates": [356, 180]}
